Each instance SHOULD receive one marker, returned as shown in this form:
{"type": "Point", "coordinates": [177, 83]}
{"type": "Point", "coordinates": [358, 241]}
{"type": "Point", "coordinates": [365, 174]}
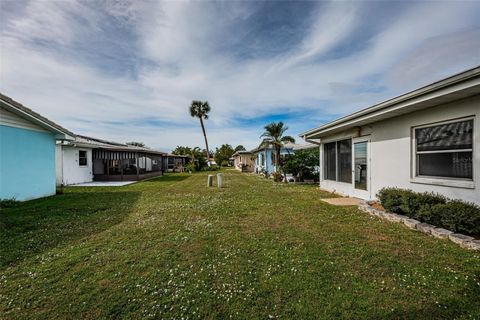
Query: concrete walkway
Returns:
{"type": "Point", "coordinates": [343, 201]}
{"type": "Point", "coordinates": [103, 184]}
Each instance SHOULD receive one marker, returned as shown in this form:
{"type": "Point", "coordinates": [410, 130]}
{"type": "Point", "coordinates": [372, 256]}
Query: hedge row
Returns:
{"type": "Point", "coordinates": [455, 215]}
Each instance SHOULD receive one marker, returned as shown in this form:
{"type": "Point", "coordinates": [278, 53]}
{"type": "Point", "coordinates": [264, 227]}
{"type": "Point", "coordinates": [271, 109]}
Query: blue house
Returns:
{"type": "Point", "coordinates": [27, 152]}
{"type": "Point", "coordinates": [265, 157]}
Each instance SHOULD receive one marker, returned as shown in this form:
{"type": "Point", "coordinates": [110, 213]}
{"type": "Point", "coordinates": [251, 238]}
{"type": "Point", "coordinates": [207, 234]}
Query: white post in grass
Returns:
{"type": "Point", "coordinates": [210, 180]}
{"type": "Point", "coordinates": [219, 180]}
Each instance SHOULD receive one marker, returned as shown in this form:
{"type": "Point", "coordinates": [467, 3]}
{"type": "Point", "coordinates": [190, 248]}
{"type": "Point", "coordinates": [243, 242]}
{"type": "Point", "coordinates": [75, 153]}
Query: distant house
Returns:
{"type": "Point", "coordinates": [242, 161]}
{"type": "Point", "coordinates": [424, 140]}
{"type": "Point", "coordinates": [265, 157]}
{"type": "Point", "coordinates": [27, 151]}
{"type": "Point", "coordinates": [87, 159]}
{"type": "Point", "coordinates": [175, 163]}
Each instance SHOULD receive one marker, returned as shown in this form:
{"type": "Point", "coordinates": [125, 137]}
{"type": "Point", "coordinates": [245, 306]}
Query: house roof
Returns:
{"type": "Point", "coordinates": [458, 86]}
{"type": "Point", "coordinates": [27, 113]}
{"type": "Point", "coordinates": [177, 155]}
{"type": "Point", "coordinates": [241, 152]}
{"type": "Point", "coordinates": [288, 145]}
{"type": "Point", "coordinates": [89, 142]}
{"type": "Point", "coordinates": [305, 146]}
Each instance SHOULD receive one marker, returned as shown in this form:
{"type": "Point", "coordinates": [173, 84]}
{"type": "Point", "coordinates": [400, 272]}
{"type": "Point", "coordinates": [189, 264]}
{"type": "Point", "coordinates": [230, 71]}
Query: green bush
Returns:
{"type": "Point", "coordinates": [391, 199]}
{"type": "Point", "coordinates": [191, 167]}
{"type": "Point", "coordinates": [458, 216]}
{"type": "Point", "coordinates": [454, 215]}
{"type": "Point", "coordinates": [413, 202]}
{"type": "Point", "coordinates": [8, 203]}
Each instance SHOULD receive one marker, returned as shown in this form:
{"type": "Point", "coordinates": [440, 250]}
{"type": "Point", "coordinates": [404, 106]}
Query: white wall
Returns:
{"type": "Point", "coordinates": [72, 172]}
{"type": "Point", "coordinates": [58, 165]}
{"type": "Point", "coordinates": [391, 153]}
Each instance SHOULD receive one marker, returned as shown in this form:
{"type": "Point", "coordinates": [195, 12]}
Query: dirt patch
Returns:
{"type": "Point", "coordinates": [342, 201]}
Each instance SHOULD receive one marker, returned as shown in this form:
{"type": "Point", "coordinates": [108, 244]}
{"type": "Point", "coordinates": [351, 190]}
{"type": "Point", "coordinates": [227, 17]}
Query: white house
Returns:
{"type": "Point", "coordinates": [86, 159]}
{"type": "Point", "coordinates": [424, 140]}
{"type": "Point", "coordinates": [242, 161]}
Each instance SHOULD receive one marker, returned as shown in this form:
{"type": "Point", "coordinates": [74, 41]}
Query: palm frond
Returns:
{"type": "Point", "coordinates": [288, 139]}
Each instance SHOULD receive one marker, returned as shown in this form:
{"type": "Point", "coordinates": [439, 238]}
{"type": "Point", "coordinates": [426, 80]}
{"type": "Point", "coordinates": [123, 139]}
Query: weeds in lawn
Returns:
{"type": "Point", "coordinates": [171, 248]}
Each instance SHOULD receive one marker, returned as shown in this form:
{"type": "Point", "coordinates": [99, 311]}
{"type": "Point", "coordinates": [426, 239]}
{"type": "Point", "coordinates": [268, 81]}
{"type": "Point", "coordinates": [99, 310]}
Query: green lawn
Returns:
{"type": "Point", "coordinates": [170, 248]}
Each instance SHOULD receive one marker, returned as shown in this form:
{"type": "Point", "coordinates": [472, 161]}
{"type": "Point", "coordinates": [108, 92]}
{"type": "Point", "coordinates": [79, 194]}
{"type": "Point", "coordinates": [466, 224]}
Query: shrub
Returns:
{"type": "Point", "coordinates": [391, 199]}
{"type": "Point", "coordinates": [190, 167]}
{"type": "Point", "coordinates": [458, 216]}
{"type": "Point", "coordinates": [412, 202]}
{"type": "Point", "coordinates": [8, 203]}
{"type": "Point", "coordinates": [454, 215]}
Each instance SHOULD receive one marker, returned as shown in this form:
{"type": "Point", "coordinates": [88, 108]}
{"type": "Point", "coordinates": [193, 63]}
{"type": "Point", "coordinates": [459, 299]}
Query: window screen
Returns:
{"type": "Point", "coordinates": [329, 161]}
{"type": "Point", "coordinates": [344, 160]}
{"type": "Point", "coordinates": [445, 150]}
{"type": "Point", "coordinates": [82, 158]}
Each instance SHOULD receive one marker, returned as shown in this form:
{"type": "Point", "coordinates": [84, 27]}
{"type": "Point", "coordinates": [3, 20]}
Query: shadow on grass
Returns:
{"type": "Point", "coordinates": [36, 226]}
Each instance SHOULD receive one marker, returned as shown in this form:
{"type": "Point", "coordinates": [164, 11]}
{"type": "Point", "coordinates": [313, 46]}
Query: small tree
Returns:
{"type": "Point", "coordinates": [302, 164]}
{"type": "Point", "coordinates": [239, 148]}
{"type": "Point", "coordinates": [182, 151]}
{"type": "Point", "coordinates": [273, 136]}
{"type": "Point", "coordinates": [223, 153]}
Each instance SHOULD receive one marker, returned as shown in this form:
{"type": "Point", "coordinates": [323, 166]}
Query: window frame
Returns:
{"type": "Point", "coordinates": [86, 158]}
{"type": "Point", "coordinates": [336, 159]}
{"type": "Point", "coordinates": [468, 183]}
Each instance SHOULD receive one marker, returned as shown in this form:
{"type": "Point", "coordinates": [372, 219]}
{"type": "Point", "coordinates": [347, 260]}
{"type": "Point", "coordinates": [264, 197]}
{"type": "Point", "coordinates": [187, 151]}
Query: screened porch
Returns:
{"type": "Point", "coordinates": [122, 165]}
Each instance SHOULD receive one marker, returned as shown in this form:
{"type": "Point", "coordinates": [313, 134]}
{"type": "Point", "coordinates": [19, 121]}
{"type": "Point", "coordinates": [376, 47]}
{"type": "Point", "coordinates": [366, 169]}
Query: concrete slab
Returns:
{"type": "Point", "coordinates": [103, 184]}
{"type": "Point", "coordinates": [342, 201]}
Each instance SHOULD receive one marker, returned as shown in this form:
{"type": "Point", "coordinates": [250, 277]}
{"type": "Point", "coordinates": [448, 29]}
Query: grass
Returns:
{"type": "Point", "coordinates": [170, 248]}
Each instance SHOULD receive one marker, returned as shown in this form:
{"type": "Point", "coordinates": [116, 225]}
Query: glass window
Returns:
{"type": "Point", "coordinates": [445, 150]}
{"type": "Point", "coordinates": [329, 161]}
{"type": "Point", "coordinates": [361, 165]}
{"type": "Point", "coordinates": [344, 160]}
{"type": "Point", "coordinates": [82, 158]}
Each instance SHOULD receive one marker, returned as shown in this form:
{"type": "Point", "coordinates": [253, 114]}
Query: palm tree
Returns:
{"type": "Point", "coordinates": [273, 136]}
{"type": "Point", "coordinates": [200, 110]}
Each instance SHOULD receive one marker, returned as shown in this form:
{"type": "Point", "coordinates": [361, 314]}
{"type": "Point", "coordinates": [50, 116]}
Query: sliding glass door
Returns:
{"type": "Point", "coordinates": [361, 170]}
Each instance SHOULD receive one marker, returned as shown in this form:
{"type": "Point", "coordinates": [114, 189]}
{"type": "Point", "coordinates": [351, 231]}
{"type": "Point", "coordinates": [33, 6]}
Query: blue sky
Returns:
{"type": "Point", "coordinates": [128, 70]}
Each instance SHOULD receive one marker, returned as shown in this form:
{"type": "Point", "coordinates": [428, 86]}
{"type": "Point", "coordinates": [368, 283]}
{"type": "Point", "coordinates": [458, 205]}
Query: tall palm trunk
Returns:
{"type": "Point", "coordinates": [277, 158]}
{"type": "Point", "coordinates": [205, 136]}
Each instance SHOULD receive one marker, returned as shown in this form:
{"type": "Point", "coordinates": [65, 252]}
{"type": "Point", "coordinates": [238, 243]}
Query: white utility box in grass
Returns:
{"type": "Point", "coordinates": [219, 180]}
{"type": "Point", "coordinates": [210, 180]}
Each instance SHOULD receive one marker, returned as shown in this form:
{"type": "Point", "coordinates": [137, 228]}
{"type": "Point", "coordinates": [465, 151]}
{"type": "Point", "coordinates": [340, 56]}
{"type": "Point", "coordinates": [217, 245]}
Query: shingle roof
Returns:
{"type": "Point", "coordinates": [105, 144]}
{"type": "Point", "coordinates": [241, 152]}
{"type": "Point", "coordinates": [20, 108]}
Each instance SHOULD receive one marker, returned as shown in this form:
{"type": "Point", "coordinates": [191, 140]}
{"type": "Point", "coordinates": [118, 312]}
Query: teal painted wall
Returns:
{"type": "Point", "coordinates": [27, 163]}
{"type": "Point", "coordinates": [268, 165]}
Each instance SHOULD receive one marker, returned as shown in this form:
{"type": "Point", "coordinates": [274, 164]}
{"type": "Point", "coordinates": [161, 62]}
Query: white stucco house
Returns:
{"type": "Point", "coordinates": [85, 159]}
{"type": "Point", "coordinates": [424, 140]}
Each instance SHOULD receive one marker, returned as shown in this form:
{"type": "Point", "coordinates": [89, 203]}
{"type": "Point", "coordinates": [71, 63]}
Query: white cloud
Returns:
{"type": "Point", "coordinates": [176, 47]}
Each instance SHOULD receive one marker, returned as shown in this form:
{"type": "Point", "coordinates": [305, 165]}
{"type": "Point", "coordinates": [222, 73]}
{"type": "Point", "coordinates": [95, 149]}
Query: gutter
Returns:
{"type": "Point", "coordinates": [435, 86]}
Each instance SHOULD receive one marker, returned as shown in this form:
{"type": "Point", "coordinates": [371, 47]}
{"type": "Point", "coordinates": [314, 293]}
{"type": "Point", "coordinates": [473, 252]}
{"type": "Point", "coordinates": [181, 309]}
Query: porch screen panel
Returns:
{"type": "Point", "coordinates": [445, 150]}
{"type": "Point", "coordinates": [330, 161]}
{"type": "Point", "coordinates": [344, 160]}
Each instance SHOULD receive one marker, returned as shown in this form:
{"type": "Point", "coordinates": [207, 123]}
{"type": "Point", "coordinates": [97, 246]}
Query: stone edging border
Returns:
{"type": "Point", "coordinates": [458, 238]}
